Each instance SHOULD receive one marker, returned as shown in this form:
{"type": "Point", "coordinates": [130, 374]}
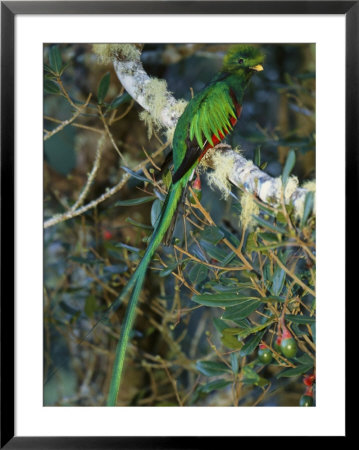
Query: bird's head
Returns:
{"type": "Point", "coordinates": [243, 59]}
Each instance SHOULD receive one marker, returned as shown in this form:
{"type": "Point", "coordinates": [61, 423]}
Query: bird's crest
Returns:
{"type": "Point", "coordinates": [241, 57]}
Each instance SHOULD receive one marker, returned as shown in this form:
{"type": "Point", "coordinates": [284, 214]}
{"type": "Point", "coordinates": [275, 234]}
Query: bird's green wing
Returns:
{"type": "Point", "coordinates": [212, 117]}
{"type": "Point", "coordinates": [209, 117]}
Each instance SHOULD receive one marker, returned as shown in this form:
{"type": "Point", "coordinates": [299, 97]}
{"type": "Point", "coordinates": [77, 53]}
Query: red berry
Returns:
{"type": "Point", "coordinates": [196, 186]}
{"type": "Point", "coordinates": [107, 235]}
{"type": "Point", "coordinates": [277, 343]}
{"type": "Point", "coordinates": [197, 183]}
{"type": "Point", "coordinates": [308, 380]}
{"type": "Point", "coordinates": [309, 391]}
{"type": "Point", "coordinates": [286, 333]}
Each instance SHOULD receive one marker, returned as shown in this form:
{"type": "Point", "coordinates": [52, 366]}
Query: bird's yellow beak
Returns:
{"type": "Point", "coordinates": [257, 68]}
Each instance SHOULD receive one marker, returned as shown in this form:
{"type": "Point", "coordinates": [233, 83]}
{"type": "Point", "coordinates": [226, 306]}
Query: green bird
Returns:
{"type": "Point", "coordinates": [207, 119]}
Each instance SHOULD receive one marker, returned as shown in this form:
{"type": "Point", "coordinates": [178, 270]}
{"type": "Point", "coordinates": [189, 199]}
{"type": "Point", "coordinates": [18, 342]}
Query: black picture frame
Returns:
{"type": "Point", "coordinates": [8, 12]}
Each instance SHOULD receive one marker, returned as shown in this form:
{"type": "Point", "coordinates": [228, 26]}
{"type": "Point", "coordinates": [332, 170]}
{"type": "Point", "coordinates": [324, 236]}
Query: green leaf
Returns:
{"type": "Point", "coordinates": [115, 269]}
{"type": "Point", "coordinates": [118, 101]}
{"type": "Point", "coordinates": [251, 244]}
{"type": "Point", "coordinates": [252, 344]}
{"type": "Point", "coordinates": [278, 281]}
{"type": "Point", "coordinates": [212, 234]}
{"type": "Point", "coordinates": [127, 247]}
{"type": "Point", "coordinates": [213, 385]}
{"type": "Point", "coordinates": [280, 217]}
{"type": "Point", "coordinates": [234, 362]}
{"type": "Point", "coordinates": [135, 201]}
{"type": "Point", "coordinates": [294, 372]}
{"type": "Point", "coordinates": [213, 251]}
{"type": "Point", "coordinates": [223, 299]}
{"type": "Point", "coordinates": [250, 376]}
{"type": "Point", "coordinates": [269, 225]}
{"type": "Point", "coordinates": [50, 87]}
{"type": "Point", "coordinates": [49, 70]}
{"type": "Point", "coordinates": [136, 175]}
{"type": "Point", "coordinates": [288, 166]}
{"type": "Point", "coordinates": [167, 179]}
{"type": "Point", "coordinates": [243, 333]}
{"type": "Point", "coordinates": [262, 382]}
{"type": "Point", "coordinates": [55, 59]}
{"type": "Point", "coordinates": [198, 273]}
{"type": "Point", "coordinates": [59, 151]}
{"type": "Point", "coordinates": [304, 359]}
{"type": "Point", "coordinates": [155, 212]}
{"type": "Point", "coordinates": [267, 236]}
{"type": "Point", "coordinates": [68, 308]}
{"type": "Point", "coordinates": [308, 207]}
{"type": "Point", "coordinates": [272, 299]}
{"type": "Point", "coordinates": [219, 324]}
{"type": "Point", "coordinates": [231, 237]}
{"type": "Point", "coordinates": [168, 270]}
{"type": "Point", "coordinates": [232, 331]}
{"type": "Point", "coordinates": [230, 286]}
{"type": "Point", "coordinates": [138, 224]}
{"type": "Point", "coordinates": [64, 67]}
{"type": "Point", "coordinates": [90, 306]}
{"type": "Point", "coordinates": [83, 260]}
{"type": "Point", "coordinates": [243, 309]}
{"type": "Point", "coordinates": [212, 368]}
{"type": "Point", "coordinates": [231, 342]}
{"type": "Point", "coordinates": [299, 319]}
{"type": "Point", "coordinates": [257, 156]}
{"type": "Point", "coordinates": [103, 87]}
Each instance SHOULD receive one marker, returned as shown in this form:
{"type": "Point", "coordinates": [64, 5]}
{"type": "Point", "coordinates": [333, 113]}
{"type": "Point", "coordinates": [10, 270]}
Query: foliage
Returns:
{"type": "Point", "coordinates": [225, 288]}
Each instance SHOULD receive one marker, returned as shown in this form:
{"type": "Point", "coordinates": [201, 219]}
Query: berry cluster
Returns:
{"type": "Point", "coordinates": [307, 398]}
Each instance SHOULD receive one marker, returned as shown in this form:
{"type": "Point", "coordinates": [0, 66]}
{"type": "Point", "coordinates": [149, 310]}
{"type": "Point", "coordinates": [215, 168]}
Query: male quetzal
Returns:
{"type": "Point", "coordinates": [208, 117]}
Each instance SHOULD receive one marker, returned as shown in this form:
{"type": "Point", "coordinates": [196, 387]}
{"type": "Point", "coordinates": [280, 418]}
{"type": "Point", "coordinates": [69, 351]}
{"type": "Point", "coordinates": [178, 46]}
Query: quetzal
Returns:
{"type": "Point", "coordinates": [208, 118]}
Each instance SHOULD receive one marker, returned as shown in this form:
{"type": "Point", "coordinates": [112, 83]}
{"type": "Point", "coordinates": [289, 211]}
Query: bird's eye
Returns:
{"type": "Point", "coordinates": [240, 61]}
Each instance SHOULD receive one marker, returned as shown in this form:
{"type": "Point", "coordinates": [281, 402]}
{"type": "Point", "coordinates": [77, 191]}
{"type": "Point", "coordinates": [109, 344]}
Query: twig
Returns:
{"type": "Point", "coordinates": [211, 222]}
{"type": "Point", "coordinates": [69, 121]}
{"type": "Point", "coordinates": [124, 114]}
{"type": "Point", "coordinates": [109, 193]}
{"type": "Point", "coordinates": [214, 266]}
{"type": "Point", "coordinates": [64, 91]}
{"type": "Point", "coordinates": [292, 275]}
{"type": "Point", "coordinates": [109, 134]}
{"type": "Point", "coordinates": [77, 125]}
{"type": "Point", "coordinates": [92, 174]}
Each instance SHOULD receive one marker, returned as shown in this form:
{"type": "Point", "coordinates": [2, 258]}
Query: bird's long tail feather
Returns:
{"type": "Point", "coordinates": [136, 281]}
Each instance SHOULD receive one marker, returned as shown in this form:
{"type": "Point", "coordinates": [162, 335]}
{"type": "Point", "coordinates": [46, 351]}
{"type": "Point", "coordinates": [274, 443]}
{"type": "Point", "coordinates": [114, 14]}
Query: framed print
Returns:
{"type": "Point", "coordinates": [165, 256]}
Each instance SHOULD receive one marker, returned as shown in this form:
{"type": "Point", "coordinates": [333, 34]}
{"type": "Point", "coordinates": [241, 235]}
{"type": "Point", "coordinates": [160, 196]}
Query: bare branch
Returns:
{"type": "Point", "coordinates": [92, 174]}
{"type": "Point", "coordinates": [105, 196]}
{"type": "Point", "coordinates": [63, 124]}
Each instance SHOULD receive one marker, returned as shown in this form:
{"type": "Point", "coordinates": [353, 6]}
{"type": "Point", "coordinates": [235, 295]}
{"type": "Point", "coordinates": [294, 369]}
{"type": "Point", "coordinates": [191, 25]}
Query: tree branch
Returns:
{"type": "Point", "coordinates": [243, 173]}
{"type": "Point", "coordinates": [140, 86]}
{"type": "Point", "coordinates": [153, 96]}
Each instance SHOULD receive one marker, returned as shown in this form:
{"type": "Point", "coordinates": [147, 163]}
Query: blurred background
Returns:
{"type": "Point", "coordinates": [87, 259]}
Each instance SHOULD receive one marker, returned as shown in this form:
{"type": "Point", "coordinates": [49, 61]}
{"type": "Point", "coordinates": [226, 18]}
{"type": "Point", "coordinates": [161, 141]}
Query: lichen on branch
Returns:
{"type": "Point", "coordinates": [151, 93]}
